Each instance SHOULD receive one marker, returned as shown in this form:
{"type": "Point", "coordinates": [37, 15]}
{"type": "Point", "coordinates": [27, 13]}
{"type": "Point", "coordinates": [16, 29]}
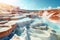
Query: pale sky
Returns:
{"type": "Point", "coordinates": [13, 2]}
{"type": "Point", "coordinates": [33, 4]}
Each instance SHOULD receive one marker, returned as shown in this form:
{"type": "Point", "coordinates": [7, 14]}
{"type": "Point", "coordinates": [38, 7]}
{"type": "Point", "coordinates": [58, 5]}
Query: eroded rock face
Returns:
{"type": "Point", "coordinates": [55, 14]}
{"type": "Point", "coordinates": [54, 18]}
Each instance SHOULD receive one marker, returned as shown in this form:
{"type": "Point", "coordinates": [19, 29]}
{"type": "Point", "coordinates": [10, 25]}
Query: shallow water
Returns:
{"type": "Point", "coordinates": [26, 34]}
{"type": "Point", "coordinates": [21, 25]}
{"type": "Point", "coordinates": [55, 26]}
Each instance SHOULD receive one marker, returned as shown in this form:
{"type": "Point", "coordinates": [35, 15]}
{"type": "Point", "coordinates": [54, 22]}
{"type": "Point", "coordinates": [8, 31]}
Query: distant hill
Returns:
{"type": "Point", "coordinates": [28, 11]}
{"type": "Point", "coordinates": [32, 10]}
{"type": "Point", "coordinates": [4, 6]}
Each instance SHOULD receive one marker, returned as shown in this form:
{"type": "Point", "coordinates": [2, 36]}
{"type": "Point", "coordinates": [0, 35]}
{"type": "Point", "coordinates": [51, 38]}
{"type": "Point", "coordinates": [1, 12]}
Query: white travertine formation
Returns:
{"type": "Point", "coordinates": [2, 29]}
{"type": "Point", "coordinates": [15, 37]}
